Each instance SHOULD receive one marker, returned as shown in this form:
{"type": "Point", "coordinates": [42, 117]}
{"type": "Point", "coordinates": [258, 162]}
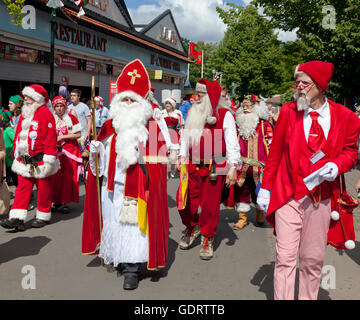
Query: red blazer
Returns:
{"type": "Point", "coordinates": [282, 161]}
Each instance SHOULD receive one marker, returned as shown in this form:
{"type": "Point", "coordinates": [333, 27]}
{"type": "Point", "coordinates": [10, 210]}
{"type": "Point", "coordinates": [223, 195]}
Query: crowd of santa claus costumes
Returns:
{"type": "Point", "coordinates": [225, 154]}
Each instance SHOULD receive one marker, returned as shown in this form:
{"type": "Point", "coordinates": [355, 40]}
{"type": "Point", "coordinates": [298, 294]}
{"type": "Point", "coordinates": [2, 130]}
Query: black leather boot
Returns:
{"type": "Point", "coordinates": [13, 224]}
{"type": "Point", "coordinates": [38, 223]}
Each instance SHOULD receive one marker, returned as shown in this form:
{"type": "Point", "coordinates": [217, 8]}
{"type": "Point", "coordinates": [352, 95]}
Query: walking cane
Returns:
{"type": "Point", "coordinates": [92, 105]}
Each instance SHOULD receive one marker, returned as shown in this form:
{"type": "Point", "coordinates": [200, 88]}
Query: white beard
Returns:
{"type": "Point", "coordinates": [129, 122]}
{"type": "Point", "coordinates": [302, 102]}
{"type": "Point", "coordinates": [27, 111]}
{"type": "Point", "coordinates": [247, 123]}
{"type": "Point", "coordinates": [196, 119]}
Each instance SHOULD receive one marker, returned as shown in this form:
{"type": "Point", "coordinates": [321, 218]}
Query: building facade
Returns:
{"type": "Point", "coordinates": [98, 44]}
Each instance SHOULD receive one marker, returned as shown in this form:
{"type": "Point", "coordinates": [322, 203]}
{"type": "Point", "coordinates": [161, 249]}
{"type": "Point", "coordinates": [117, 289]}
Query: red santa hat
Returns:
{"type": "Point", "coordinates": [213, 89]}
{"type": "Point", "coordinates": [100, 99]}
{"type": "Point", "coordinates": [59, 100]}
{"type": "Point", "coordinates": [172, 101]}
{"type": "Point", "coordinates": [134, 81]}
{"type": "Point", "coordinates": [321, 72]}
{"type": "Point", "coordinates": [38, 94]}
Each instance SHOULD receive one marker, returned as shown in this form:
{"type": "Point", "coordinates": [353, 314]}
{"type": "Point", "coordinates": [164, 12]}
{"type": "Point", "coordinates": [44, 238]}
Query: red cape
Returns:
{"type": "Point", "coordinates": [158, 212]}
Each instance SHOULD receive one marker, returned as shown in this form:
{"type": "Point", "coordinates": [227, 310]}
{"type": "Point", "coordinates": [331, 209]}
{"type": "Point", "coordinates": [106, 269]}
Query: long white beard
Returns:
{"type": "Point", "coordinates": [196, 119]}
{"type": "Point", "coordinates": [29, 109]}
{"type": "Point", "coordinates": [302, 101]}
{"type": "Point", "coordinates": [247, 123]}
{"type": "Point", "coordinates": [129, 122]}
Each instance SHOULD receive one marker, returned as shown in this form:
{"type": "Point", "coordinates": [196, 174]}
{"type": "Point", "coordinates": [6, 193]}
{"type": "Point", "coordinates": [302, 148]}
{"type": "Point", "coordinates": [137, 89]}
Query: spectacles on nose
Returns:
{"type": "Point", "coordinates": [301, 84]}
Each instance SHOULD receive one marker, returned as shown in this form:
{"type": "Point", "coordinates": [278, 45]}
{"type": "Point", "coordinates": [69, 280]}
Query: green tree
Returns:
{"type": "Point", "coordinates": [14, 7]}
{"type": "Point", "coordinates": [330, 33]}
{"type": "Point", "coordinates": [249, 54]}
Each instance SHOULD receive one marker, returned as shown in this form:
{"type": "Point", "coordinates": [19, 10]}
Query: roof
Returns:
{"type": "Point", "coordinates": [274, 99]}
{"type": "Point", "coordinates": [115, 29]}
{"type": "Point", "coordinates": [123, 8]}
{"type": "Point", "coordinates": [158, 19]}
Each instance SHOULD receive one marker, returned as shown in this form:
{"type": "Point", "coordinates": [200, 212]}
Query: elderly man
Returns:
{"type": "Point", "coordinates": [255, 135]}
{"type": "Point", "coordinates": [35, 159]}
{"type": "Point", "coordinates": [211, 152]}
{"type": "Point", "coordinates": [132, 164]}
{"type": "Point", "coordinates": [315, 136]}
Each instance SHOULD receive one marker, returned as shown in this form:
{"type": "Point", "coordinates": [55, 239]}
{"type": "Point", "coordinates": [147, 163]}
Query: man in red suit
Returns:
{"type": "Point", "coordinates": [210, 149]}
{"type": "Point", "coordinates": [313, 136]}
{"type": "Point", "coordinates": [35, 159]}
{"type": "Point", "coordinates": [255, 136]}
{"type": "Point", "coordinates": [131, 226]}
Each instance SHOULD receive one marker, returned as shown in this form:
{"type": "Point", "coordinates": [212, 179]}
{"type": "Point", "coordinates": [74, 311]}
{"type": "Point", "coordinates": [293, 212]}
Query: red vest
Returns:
{"type": "Point", "coordinates": [212, 141]}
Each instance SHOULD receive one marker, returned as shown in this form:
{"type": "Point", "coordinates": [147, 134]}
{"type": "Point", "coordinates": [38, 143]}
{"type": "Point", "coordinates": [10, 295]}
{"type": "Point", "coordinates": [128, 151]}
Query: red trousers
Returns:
{"type": "Point", "coordinates": [207, 194]}
{"type": "Point", "coordinates": [24, 189]}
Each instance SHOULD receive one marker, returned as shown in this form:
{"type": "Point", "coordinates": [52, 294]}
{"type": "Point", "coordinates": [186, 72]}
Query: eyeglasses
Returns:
{"type": "Point", "coordinates": [304, 84]}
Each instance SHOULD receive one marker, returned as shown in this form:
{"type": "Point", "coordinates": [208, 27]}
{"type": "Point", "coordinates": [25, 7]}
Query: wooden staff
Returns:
{"type": "Point", "coordinates": [92, 105]}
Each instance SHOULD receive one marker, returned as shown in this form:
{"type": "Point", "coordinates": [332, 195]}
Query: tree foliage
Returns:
{"type": "Point", "coordinates": [330, 33]}
{"type": "Point", "coordinates": [14, 7]}
{"type": "Point", "coordinates": [249, 54]}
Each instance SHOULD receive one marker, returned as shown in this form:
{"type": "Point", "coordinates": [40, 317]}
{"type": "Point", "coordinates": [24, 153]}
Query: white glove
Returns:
{"type": "Point", "coordinates": [263, 199]}
{"type": "Point", "coordinates": [329, 171]}
{"type": "Point", "coordinates": [95, 146]}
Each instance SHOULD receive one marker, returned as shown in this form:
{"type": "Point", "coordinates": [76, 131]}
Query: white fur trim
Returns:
{"type": "Point", "coordinates": [46, 216]}
{"type": "Point", "coordinates": [242, 207]}
{"type": "Point", "coordinates": [201, 87]}
{"type": "Point", "coordinates": [335, 215]}
{"type": "Point", "coordinates": [18, 214]}
{"type": "Point", "coordinates": [350, 244]}
{"type": "Point", "coordinates": [49, 158]}
{"type": "Point", "coordinates": [76, 128]}
{"type": "Point", "coordinates": [42, 171]}
{"type": "Point", "coordinates": [127, 94]}
{"type": "Point", "coordinates": [30, 92]}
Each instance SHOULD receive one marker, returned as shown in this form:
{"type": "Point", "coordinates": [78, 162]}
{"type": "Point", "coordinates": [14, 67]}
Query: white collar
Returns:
{"type": "Point", "coordinates": [324, 111]}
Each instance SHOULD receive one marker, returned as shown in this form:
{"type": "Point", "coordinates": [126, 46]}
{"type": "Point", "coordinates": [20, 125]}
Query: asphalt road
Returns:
{"type": "Point", "coordinates": [242, 267]}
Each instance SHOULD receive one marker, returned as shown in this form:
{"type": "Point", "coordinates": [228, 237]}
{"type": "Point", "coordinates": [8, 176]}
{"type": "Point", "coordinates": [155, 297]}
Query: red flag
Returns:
{"type": "Point", "coordinates": [192, 51]}
{"type": "Point", "coordinates": [199, 57]}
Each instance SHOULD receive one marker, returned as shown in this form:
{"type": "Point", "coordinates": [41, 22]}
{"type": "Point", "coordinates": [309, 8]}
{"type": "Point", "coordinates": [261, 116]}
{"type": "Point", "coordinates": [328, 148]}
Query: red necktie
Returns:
{"type": "Point", "coordinates": [316, 134]}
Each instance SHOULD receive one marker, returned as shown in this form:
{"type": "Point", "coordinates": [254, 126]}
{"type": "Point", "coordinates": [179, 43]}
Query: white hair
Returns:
{"type": "Point", "coordinates": [129, 122]}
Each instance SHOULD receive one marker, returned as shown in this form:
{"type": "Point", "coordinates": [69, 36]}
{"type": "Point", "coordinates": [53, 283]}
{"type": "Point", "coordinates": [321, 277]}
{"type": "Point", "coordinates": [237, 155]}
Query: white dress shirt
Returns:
{"type": "Point", "coordinates": [324, 119]}
{"type": "Point", "coordinates": [231, 141]}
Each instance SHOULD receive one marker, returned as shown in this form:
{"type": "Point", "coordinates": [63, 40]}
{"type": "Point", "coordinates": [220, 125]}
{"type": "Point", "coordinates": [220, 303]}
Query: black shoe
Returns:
{"type": "Point", "coordinates": [65, 210]}
{"type": "Point", "coordinates": [38, 223]}
{"type": "Point", "coordinates": [55, 206]}
{"type": "Point", "coordinates": [31, 207]}
{"type": "Point", "coordinates": [131, 281]}
{"type": "Point", "coordinates": [13, 224]}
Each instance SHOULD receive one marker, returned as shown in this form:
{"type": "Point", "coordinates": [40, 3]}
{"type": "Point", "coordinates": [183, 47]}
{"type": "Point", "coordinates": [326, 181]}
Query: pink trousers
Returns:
{"type": "Point", "coordinates": [300, 227]}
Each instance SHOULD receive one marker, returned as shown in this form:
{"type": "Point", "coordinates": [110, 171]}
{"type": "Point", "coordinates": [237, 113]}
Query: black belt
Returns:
{"type": "Point", "coordinates": [172, 127]}
{"type": "Point", "coordinates": [33, 160]}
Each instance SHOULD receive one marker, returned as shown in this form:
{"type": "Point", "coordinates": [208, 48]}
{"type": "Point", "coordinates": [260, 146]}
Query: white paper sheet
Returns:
{"type": "Point", "coordinates": [314, 179]}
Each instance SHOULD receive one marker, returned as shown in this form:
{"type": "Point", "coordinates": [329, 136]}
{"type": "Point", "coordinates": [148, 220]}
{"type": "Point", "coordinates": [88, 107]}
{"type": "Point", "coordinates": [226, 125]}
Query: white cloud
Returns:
{"type": "Point", "coordinates": [195, 19]}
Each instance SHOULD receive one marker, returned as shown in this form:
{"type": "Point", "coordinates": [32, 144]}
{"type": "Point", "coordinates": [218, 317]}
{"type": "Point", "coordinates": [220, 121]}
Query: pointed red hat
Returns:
{"type": "Point", "coordinates": [321, 72]}
{"type": "Point", "coordinates": [213, 89]}
{"type": "Point", "coordinates": [135, 78]}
